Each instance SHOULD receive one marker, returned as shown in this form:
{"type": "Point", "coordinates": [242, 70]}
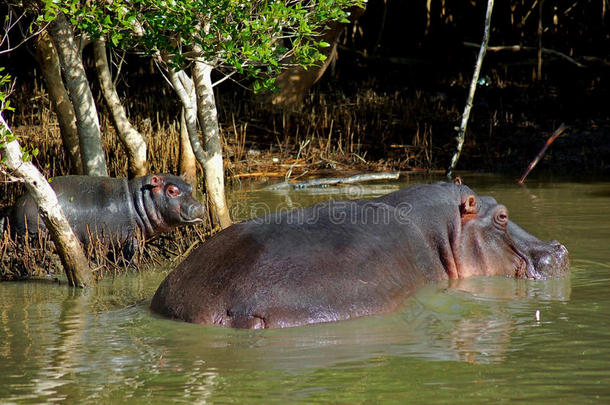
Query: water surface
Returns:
{"type": "Point", "coordinates": [468, 341]}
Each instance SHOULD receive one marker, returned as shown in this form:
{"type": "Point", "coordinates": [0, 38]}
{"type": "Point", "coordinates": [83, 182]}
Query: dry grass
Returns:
{"type": "Point", "coordinates": [34, 256]}
{"type": "Point", "coordinates": [331, 131]}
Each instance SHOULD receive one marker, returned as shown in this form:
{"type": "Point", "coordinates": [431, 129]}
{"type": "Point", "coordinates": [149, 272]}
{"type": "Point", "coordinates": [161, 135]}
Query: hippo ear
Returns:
{"type": "Point", "coordinates": [468, 205]}
{"type": "Point", "coordinates": [457, 180]}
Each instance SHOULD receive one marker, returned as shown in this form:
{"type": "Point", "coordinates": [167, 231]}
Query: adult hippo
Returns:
{"type": "Point", "coordinates": [114, 210]}
{"type": "Point", "coordinates": [345, 259]}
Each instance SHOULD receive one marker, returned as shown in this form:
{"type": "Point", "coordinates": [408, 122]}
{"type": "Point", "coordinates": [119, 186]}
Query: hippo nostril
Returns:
{"type": "Point", "coordinates": [558, 246]}
{"type": "Point", "coordinates": [560, 251]}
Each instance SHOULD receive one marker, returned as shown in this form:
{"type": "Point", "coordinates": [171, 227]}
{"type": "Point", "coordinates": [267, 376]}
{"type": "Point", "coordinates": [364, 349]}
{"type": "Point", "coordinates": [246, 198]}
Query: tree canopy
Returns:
{"type": "Point", "coordinates": [252, 38]}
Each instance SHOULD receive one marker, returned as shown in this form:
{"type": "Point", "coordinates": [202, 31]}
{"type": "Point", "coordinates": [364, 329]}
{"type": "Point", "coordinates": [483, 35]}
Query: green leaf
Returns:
{"type": "Point", "coordinates": [115, 38]}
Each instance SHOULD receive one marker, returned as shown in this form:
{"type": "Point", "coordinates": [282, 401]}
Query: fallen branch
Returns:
{"type": "Point", "coordinates": [336, 180]}
{"type": "Point", "coordinates": [548, 143]}
{"type": "Point", "coordinates": [517, 48]}
{"type": "Point", "coordinates": [257, 174]}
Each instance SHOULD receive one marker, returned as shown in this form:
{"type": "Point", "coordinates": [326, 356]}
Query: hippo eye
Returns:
{"type": "Point", "coordinates": [502, 217]}
{"type": "Point", "coordinates": [172, 191]}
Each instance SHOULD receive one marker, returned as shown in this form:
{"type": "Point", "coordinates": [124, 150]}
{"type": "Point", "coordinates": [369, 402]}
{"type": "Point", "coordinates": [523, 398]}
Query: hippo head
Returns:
{"type": "Point", "coordinates": [488, 243]}
{"type": "Point", "coordinates": [169, 203]}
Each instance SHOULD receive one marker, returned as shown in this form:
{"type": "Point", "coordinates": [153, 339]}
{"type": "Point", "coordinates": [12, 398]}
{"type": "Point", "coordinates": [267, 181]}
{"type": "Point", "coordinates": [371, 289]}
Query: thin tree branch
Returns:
{"type": "Point", "coordinates": [473, 86]}
{"type": "Point", "coordinates": [517, 48]}
{"type": "Point", "coordinates": [6, 38]}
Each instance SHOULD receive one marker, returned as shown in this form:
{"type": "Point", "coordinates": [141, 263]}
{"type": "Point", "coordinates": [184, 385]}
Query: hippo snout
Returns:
{"type": "Point", "coordinates": [562, 257]}
{"type": "Point", "coordinates": [194, 213]}
{"type": "Point", "coordinates": [551, 260]}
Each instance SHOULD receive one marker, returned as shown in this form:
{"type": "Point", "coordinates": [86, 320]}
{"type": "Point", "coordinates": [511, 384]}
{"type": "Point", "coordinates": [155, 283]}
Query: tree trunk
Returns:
{"type": "Point", "coordinates": [188, 162]}
{"type": "Point", "coordinates": [49, 65]}
{"type": "Point", "coordinates": [182, 84]}
{"type": "Point", "coordinates": [68, 246]}
{"type": "Point", "coordinates": [132, 140]}
{"type": "Point", "coordinates": [212, 154]}
{"type": "Point", "coordinates": [70, 58]}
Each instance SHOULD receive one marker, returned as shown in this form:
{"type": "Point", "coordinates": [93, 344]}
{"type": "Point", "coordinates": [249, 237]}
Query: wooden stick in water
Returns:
{"type": "Point", "coordinates": [548, 143]}
{"type": "Point", "coordinates": [337, 180]}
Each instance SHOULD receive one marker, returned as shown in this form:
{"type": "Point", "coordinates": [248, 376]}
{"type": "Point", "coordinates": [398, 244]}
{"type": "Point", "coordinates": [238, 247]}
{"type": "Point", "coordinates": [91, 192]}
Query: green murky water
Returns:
{"type": "Point", "coordinates": [473, 341]}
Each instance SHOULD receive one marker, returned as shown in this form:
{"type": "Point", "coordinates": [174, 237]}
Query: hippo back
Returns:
{"type": "Point", "coordinates": [331, 261]}
{"type": "Point", "coordinates": [99, 206]}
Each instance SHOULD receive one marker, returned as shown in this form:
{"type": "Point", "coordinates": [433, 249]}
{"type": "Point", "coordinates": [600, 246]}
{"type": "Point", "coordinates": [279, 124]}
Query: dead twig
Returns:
{"type": "Point", "coordinates": [548, 143]}
{"type": "Point", "coordinates": [518, 48]}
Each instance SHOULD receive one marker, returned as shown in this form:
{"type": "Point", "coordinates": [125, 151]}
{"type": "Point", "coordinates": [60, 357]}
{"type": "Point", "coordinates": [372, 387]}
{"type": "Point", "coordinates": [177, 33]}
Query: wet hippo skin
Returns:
{"type": "Point", "coordinates": [344, 259]}
{"type": "Point", "coordinates": [113, 210]}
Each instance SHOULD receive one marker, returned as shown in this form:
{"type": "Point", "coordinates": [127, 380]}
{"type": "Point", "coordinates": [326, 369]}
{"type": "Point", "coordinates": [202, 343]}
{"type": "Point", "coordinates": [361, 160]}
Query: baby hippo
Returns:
{"type": "Point", "coordinates": [113, 210]}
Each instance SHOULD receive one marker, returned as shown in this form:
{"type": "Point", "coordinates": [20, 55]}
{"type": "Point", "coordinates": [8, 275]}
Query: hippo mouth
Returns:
{"type": "Point", "coordinates": [190, 220]}
{"type": "Point", "coordinates": [523, 266]}
{"type": "Point", "coordinates": [527, 270]}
